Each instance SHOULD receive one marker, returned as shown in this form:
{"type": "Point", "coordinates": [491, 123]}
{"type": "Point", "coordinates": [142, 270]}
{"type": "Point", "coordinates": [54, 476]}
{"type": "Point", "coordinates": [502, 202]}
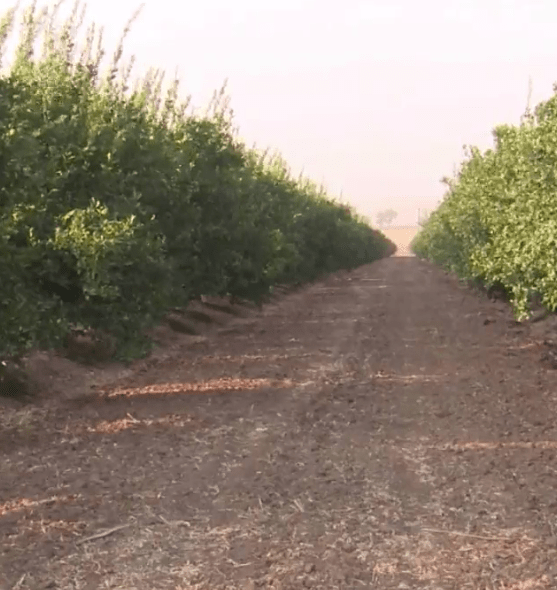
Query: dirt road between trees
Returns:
{"type": "Point", "coordinates": [402, 237]}
{"type": "Point", "coordinates": [386, 428]}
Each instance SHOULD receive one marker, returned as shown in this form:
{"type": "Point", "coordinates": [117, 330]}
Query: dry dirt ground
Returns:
{"type": "Point", "coordinates": [387, 428]}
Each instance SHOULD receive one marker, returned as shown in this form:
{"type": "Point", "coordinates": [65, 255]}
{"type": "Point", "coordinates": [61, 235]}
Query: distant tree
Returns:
{"type": "Point", "coordinates": [386, 217]}
{"type": "Point", "coordinates": [423, 216]}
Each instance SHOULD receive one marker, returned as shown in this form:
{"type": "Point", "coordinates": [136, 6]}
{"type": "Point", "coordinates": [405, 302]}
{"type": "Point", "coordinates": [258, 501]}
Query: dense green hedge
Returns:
{"type": "Point", "coordinates": [498, 222]}
{"type": "Point", "coordinates": [116, 204]}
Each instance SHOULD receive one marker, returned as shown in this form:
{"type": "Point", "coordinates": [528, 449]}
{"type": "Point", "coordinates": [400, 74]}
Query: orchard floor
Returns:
{"type": "Point", "coordinates": [387, 428]}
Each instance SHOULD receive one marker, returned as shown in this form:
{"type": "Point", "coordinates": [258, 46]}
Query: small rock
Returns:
{"type": "Point", "coordinates": [348, 547]}
{"type": "Point", "coordinates": [310, 568]}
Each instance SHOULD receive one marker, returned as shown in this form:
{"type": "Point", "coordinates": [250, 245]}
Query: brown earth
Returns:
{"type": "Point", "coordinates": [386, 428]}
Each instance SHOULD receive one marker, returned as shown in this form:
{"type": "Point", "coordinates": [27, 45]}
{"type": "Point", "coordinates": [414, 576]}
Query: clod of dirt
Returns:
{"type": "Point", "coordinates": [14, 382]}
{"type": "Point", "coordinates": [221, 307]}
{"type": "Point", "coordinates": [199, 316]}
{"type": "Point", "coordinates": [539, 316]}
{"type": "Point", "coordinates": [180, 325]}
{"type": "Point", "coordinates": [549, 356]}
{"type": "Point", "coordinates": [89, 347]}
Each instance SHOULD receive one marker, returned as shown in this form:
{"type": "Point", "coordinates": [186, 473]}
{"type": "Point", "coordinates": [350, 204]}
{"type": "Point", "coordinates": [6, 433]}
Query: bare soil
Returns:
{"type": "Point", "coordinates": [387, 428]}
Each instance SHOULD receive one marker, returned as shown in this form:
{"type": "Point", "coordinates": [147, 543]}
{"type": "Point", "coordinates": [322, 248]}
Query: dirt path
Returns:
{"type": "Point", "coordinates": [386, 428]}
{"type": "Point", "coordinates": [402, 237]}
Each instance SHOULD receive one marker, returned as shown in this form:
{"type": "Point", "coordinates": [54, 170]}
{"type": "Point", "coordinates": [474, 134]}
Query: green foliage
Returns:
{"type": "Point", "coordinates": [498, 222]}
{"type": "Point", "coordinates": [116, 205]}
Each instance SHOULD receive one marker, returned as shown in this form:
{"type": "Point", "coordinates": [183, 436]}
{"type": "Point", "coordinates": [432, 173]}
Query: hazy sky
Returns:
{"type": "Point", "coordinates": [374, 98]}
